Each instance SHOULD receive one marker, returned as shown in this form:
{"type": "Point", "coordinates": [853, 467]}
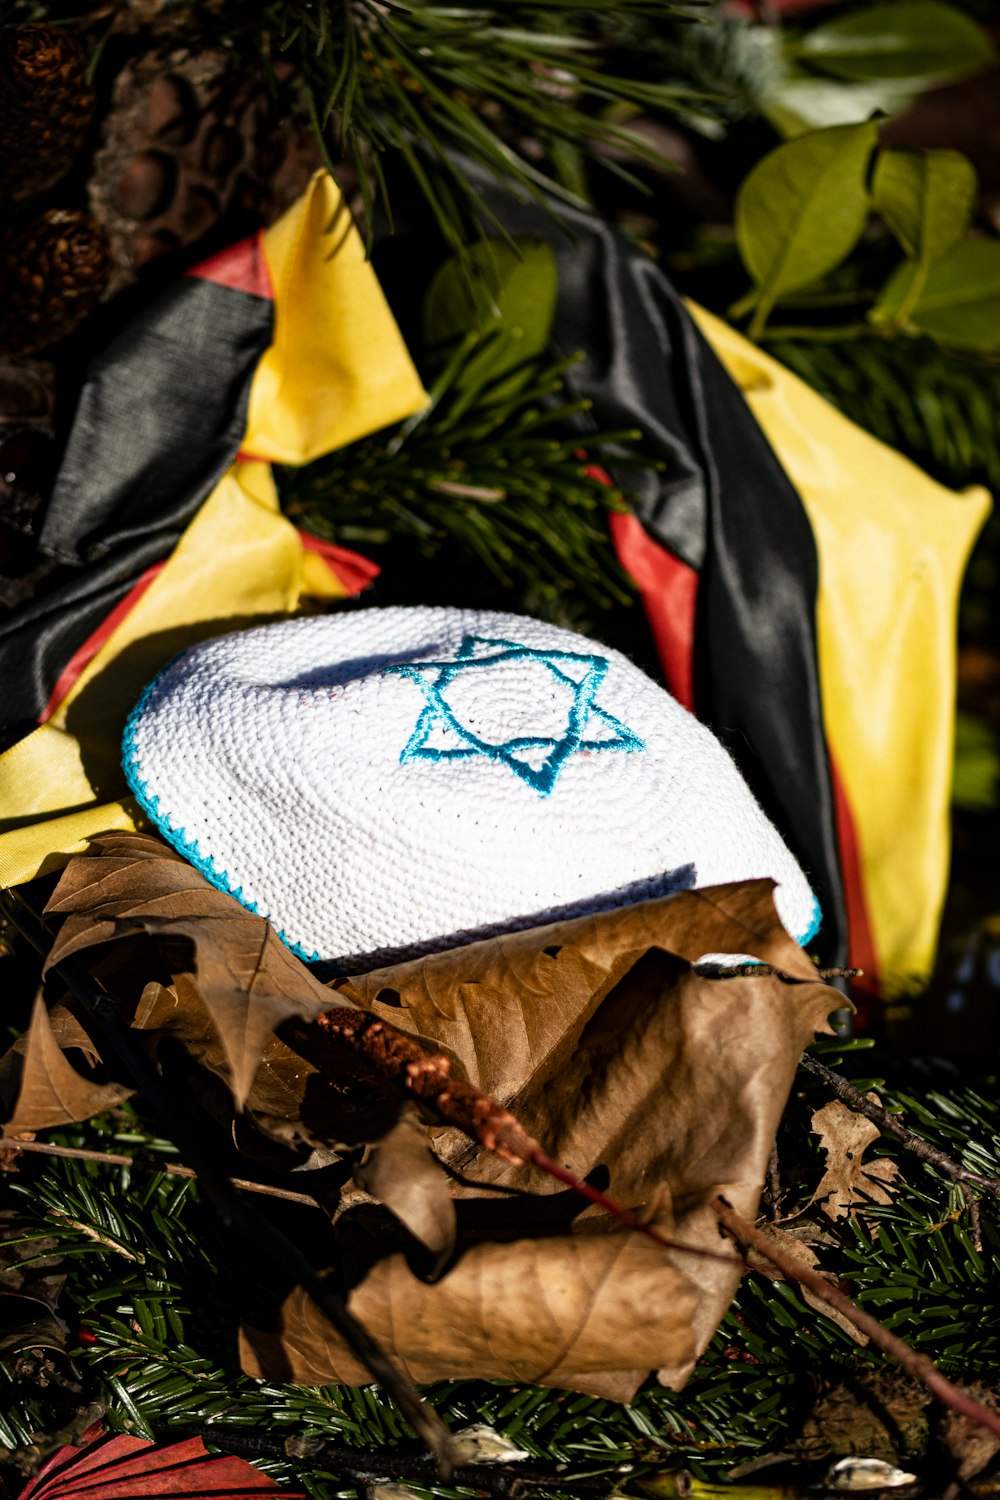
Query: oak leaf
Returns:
{"type": "Point", "coordinates": [848, 1180]}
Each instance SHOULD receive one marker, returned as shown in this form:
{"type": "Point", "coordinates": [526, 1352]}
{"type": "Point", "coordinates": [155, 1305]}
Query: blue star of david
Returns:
{"type": "Point", "coordinates": [435, 676]}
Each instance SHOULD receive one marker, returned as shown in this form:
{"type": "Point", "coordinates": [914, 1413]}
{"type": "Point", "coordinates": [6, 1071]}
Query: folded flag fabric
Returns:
{"type": "Point", "coordinates": [800, 578]}
{"type": "Point", "coordinates": [277, 350]}
{"type": "Point", "coordinates": [392, 781]}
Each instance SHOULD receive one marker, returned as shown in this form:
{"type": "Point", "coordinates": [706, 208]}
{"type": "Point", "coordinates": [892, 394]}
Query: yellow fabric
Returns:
{"type": "Point", "coordinates": [892, 547]}
{"type": "Point", "coordinates": [239, 562]}
{"type": "Point", "coordinates": [338, 367]}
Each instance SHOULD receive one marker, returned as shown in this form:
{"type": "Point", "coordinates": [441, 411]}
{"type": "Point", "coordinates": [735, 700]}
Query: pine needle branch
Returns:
{"type": "Point", "coordinates": [920, 1366]}
{"type": "Point", "coordinates": [498, 474]}
{"type": "Point", "coordinates": [503, 83]}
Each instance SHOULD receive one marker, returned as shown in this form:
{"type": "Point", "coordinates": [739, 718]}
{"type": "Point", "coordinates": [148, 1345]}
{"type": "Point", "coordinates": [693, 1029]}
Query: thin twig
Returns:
{"type": "Point", "coordinates": [919, 1366]}
{"type": "Point", "coordinates": [114, 1159]}
{"type": "Point", "coordinates": [890, 1124]}
{"type": "Point", "coordinates": [754, 969]}
{"type": "Point", "coordinates": [428, 1076]}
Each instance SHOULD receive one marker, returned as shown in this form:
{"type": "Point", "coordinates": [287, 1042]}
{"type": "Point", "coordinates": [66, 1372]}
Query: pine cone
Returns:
{"type": "Point", "coordinates": [190, 148]}
{"type": "Point", "coordinates": [46, 106]}
{"type": "Point", "coordinates": [55, 269]}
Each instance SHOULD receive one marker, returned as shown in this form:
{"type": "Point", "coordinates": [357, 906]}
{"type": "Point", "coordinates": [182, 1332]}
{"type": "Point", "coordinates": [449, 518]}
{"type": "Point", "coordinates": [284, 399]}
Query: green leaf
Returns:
{"type": "Point", "coordinates": [926, 198]}
{"type": "Point", "coordinates": [920, 41]}
{"type": "Point", "coordinates": [800, 101]}
{"type": "Point", "coordinates": [976, 774]}
{"type": "Point", "coordinates": [801, 210]}
{"type": "Point", "coordinates": [959, 301]}
{"type": "Point", "coordinates": [503, 296]}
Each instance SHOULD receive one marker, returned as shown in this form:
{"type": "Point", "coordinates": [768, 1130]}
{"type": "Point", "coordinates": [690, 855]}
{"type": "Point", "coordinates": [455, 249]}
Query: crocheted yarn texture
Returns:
{"type": "Point", "coordinates": [386, 782]}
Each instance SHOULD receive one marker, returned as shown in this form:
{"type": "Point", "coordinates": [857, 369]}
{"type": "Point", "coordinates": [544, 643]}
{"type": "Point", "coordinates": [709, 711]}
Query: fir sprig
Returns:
{"type": "Point", "coordinates": [502, 477]}
{"type": "Point", "coordinates": [384, 78]}
{"type": "Point", "coordinates": [159, 1327]}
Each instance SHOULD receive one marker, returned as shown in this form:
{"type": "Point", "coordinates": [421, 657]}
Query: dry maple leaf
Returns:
{"type": "Point", "coordinates": [248, 980]}
{"type": "Point", "coordinates": [848, 1180]}
{"type": "Point", "coordinates": [634, 1071]}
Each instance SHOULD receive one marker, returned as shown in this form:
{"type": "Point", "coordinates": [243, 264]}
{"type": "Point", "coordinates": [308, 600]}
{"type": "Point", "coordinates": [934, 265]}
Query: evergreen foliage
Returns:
{"type": "Point", "coordinates": [496, 472]}
{"type": "Point", "coordinates": [155, 1318]}
{"type": "Point", "coordinates": [512, 85]}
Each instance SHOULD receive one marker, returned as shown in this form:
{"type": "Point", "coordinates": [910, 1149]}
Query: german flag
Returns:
{"type": "Point", "coordinates": [799, 578]}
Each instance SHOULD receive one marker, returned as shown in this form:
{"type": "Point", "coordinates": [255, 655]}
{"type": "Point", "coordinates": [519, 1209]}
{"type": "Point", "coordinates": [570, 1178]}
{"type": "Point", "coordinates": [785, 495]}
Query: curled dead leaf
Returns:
{"type": "Point", "coordinates": [637, 1073]}
{"type": "Point", "coordinates": [849, 1183]}
{"type": "Point", "coordinates": [402, 1172]}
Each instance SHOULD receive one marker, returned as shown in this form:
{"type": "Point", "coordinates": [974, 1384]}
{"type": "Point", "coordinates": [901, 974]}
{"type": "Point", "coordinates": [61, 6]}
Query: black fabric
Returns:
{"type": "Point", "coordinates": [39, 638]}
{"type": "Point", "coordinates": [723, 504]}
{"type": "Point", "coordinates": [160, 417]}
{"type": "Point", "coordinates": [161, 414]}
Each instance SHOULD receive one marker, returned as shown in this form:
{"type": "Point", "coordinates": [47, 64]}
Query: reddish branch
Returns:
{"type": "Point", "coordinates": [918, 1365]}
{"type": "Point", "coordinates": [427, 1075]}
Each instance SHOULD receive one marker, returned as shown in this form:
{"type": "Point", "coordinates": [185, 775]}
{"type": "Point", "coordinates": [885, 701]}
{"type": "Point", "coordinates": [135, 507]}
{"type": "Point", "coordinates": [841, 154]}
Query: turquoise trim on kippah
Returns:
{"type": "Point", "coordinates": [221, 879]}
{"type": "Point", "coordinates": [178, 837]}
{"type": "Point", "coordinates": [814, 924]}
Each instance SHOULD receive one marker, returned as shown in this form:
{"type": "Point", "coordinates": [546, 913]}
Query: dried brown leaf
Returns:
{"type": "Point", "coordinates": [40, 1086]}
{"type": "Point", "coordinates": [248, 981]}
{"type": "Point", "coordinates": [632, 1069]}
{"type": "Point", "coordinates": [402, 1172]}
{"type": "Point", "coordinates": [661, 1085]}
{"type": "Point", "coordinates": [848, 1180]}
{"type": "Point", "coordinates": [545, 1311]}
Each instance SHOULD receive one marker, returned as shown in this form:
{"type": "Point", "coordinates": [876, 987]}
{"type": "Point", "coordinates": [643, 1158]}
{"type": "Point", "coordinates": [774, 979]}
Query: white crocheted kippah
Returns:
{"type": "Point", "coordinates": [389, 781]}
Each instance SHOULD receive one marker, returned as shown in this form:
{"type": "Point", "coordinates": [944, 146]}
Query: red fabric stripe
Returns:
{"type": "Point", "coordinates": [861, 953]}
{"type": "Point", "coordinates": [349, 568]}
{"type": "Point", "coordinates": [241, 266]}
{"type": "Point", "coordinates": [669, 590]}
{"type": "Point", "coordinates": [85, 654]}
